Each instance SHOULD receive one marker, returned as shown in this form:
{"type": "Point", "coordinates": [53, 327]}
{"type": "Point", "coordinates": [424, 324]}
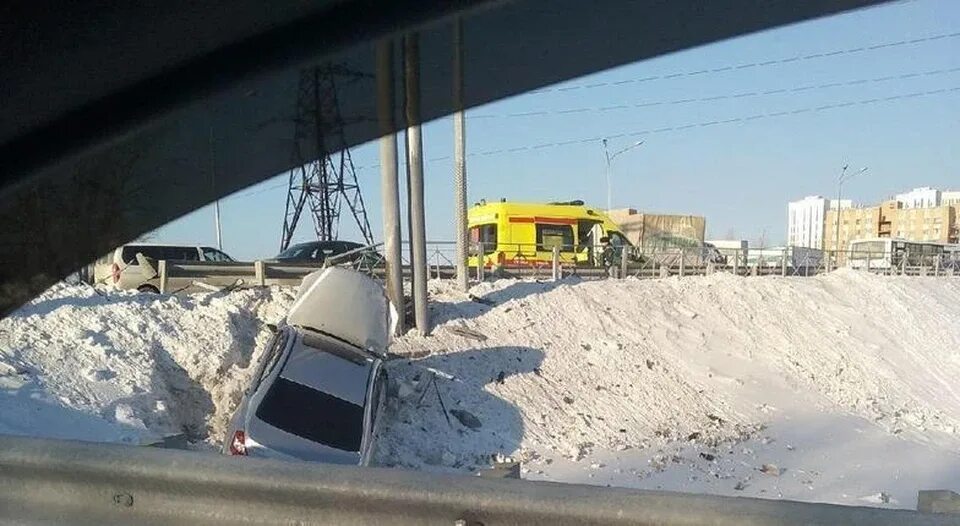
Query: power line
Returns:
{"type": "Point", "coordinates": [746, 94]}
{"type": "Point", "coordinates": [704, 124]}
{"type": "Point", "coordinates": [750, 65]}
{"type": "Point", "coordinates": [668, 129]}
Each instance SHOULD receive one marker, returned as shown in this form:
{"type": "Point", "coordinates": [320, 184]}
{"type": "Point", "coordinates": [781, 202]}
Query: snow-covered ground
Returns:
{"type": "Point", "coordinates": [841, 388]}
{"type": "Point", "coordinates": [117, 366]}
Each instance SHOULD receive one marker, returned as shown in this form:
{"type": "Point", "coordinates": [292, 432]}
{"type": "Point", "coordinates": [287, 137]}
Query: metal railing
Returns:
{"type": "Point", "coordinates": [588, 262]}
{"type": "Point", "coordinates": [55, 481]}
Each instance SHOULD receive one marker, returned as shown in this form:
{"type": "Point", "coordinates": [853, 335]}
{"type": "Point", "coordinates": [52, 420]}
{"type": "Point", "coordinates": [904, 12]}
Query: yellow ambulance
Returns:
{"type": "Point", "coordinates": [523, 234]}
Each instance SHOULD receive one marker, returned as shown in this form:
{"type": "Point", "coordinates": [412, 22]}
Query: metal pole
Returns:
{"type": "Point", "coordinates": [459, 159]}
{"type": "Point", "coordinates": [556, 263]}
{"type": "Point", "coordinates": [418, 236]}
{"type": "Point", "coordinates": [389, 178]}
{"type": "Point", "coordinates": [213, 186]}
{"type": "Point", "coordinates": [606, 153]}
{"type": "Point", "coordinates": [836, 239]}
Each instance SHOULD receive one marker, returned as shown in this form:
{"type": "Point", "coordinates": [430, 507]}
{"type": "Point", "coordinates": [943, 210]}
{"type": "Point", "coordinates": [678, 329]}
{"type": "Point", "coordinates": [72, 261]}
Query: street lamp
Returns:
{"type": "Point", "coordinates": [610, 157]}
{"type": "Point", "coordinates": [844, 176]}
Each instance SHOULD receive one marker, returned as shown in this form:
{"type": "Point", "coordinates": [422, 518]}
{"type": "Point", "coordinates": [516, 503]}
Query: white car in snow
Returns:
{"type": "Point", "coordinates": [320, 387]}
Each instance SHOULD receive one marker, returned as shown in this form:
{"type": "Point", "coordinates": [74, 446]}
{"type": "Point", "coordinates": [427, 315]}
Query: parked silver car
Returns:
{"type": "Point", "coordinates": [319, 389]}
{"type": "Point", "coordinates": [122, 268]}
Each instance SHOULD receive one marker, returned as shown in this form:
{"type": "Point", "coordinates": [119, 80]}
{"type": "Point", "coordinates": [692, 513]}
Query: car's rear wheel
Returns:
{"type": "Point", "coordinates": [149, 289]}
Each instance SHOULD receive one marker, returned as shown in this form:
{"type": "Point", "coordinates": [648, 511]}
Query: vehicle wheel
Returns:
{"type": "Point", "coordinates": [149, 289]}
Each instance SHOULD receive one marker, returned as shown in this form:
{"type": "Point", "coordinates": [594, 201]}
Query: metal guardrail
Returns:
{"type": "Point", "coordinates": [531, 261]}
{"type": "Point", "coordinates": [54, 481]}
{"type": "Point", "coordinates": [183, 275]}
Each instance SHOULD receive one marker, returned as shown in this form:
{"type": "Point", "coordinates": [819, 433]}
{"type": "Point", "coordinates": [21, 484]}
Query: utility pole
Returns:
{"type": "Point", "coordinates": [418, 236]}
{"type": "Point", "coordinates": [459, 158]}
{"type": "Point", "coordinates": [389, 178]}
{"type": "Point", "coordinates": [844, 176]}
{"type": "Point", "coordinates": [610, 157]}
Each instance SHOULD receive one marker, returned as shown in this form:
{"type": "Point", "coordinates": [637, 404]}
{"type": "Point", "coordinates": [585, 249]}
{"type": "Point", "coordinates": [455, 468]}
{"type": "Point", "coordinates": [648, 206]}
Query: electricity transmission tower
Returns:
{"type": "Point", "coordinates": [327, 179]}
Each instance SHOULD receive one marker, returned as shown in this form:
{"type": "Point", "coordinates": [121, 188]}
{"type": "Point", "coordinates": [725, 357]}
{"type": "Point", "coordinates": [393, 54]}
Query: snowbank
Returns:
{"type": "Point", "coordinates": [116, 366]}
{"type": "Point", "coordinates": [839, 388]}
{"type": "Point", "coordinates": [661, 371]}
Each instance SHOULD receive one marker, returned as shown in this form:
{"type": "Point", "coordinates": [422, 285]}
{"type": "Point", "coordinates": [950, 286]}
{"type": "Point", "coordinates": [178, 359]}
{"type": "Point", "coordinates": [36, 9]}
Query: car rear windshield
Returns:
{"type": "Point", "coordinates": [303, 250]}
{"type": "Point", "coordinates": [313, 415]}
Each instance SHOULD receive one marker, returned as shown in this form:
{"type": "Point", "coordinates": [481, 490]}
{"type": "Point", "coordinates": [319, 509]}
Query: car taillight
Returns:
{"type": "Point", "coordinates": [116, 273]}
{"type": "Point", "coordinates": [238, 446]}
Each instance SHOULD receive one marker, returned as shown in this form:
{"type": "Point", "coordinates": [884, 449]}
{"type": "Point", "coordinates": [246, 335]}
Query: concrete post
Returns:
{"type": "Point", "coordinates": [389, 179]}
{"type": "Point", "coordinates": [459, 159]}
{"type": "Point", "coordinates": [624, 260]}
{"type": "Point", "coordinates": [683, 260]}
{"type": "Point", "coordinates": [258, 273]}
{"type": "Point", "coordinates": [162, 271]}
{"type": "Point", "coordinates": [783, 263]}
{"type": "Point", "coordinates": [418, 235]}
{"type": "Point", "coordinates": [736, 263]}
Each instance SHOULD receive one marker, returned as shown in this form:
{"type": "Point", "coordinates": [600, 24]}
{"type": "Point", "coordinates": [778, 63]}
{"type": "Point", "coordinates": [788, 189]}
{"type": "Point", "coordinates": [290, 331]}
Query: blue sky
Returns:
{"type": "Point", "coordinates": [739, 175]}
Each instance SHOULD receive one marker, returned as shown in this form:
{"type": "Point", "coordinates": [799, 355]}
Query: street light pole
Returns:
{"type": "Point", "coordinates": [610, 157]}
{"type": "Point", "coordinates": [844, 176]}
{"type": "Point", "coordinates": [836, 237]}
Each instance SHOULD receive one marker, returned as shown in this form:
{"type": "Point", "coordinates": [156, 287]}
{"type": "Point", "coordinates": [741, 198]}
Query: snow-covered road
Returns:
{"type": "Point", "coordinates": [840, 388]}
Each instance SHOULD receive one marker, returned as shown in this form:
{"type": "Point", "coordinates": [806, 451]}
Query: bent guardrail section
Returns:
{"type": "Point", "coordinates": [87, 483]}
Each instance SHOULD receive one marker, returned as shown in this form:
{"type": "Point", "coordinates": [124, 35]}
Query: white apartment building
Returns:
{"type": "Point", "coordinates": [924, 197]}
{"type": "Point", "coordinates": [950, 198]}
{"type": "Point", "coordinates": [805, 222]}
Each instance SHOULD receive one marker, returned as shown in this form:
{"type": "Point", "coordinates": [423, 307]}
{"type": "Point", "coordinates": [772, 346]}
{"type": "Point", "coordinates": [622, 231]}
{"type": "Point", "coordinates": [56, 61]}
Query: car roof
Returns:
{"type": "Point", "coordinates": [333, 367]}
{"type": "Point", "coordinates": [327, 242]}
{"type": "Point", "coordinates": [177, 245]}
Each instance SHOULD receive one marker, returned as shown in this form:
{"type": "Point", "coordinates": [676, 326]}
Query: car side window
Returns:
{"type": "Point", "coordinates": [212, 254]}
{"type": "Point", "coordinates": [181, 254]}
{"type": "Point", "coordinates": [270, 360]}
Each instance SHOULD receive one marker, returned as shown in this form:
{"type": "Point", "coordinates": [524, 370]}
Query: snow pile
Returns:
{"type": "Point", "coordinates": [838, 388]}
{"type": "Point", "coordinates": [116, 366]}
{"type": "Point", "coordinates": [570, 372]}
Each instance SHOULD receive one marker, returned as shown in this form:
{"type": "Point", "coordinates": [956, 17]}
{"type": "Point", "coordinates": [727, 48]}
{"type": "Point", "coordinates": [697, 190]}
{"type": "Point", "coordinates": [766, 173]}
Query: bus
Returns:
{"type": "Point", "coordinates": [509, 234]}
{"type": "Point", "coordinates": [887, 253]}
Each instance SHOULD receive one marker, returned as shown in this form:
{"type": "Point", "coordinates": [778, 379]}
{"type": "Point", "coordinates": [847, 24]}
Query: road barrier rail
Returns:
{"type": "Point", "coordinates": [56, 481]}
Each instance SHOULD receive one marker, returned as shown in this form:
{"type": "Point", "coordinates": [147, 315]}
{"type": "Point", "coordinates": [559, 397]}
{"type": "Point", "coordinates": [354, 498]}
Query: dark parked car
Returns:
{"type": "Point", "coordinates": [320, 251]}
